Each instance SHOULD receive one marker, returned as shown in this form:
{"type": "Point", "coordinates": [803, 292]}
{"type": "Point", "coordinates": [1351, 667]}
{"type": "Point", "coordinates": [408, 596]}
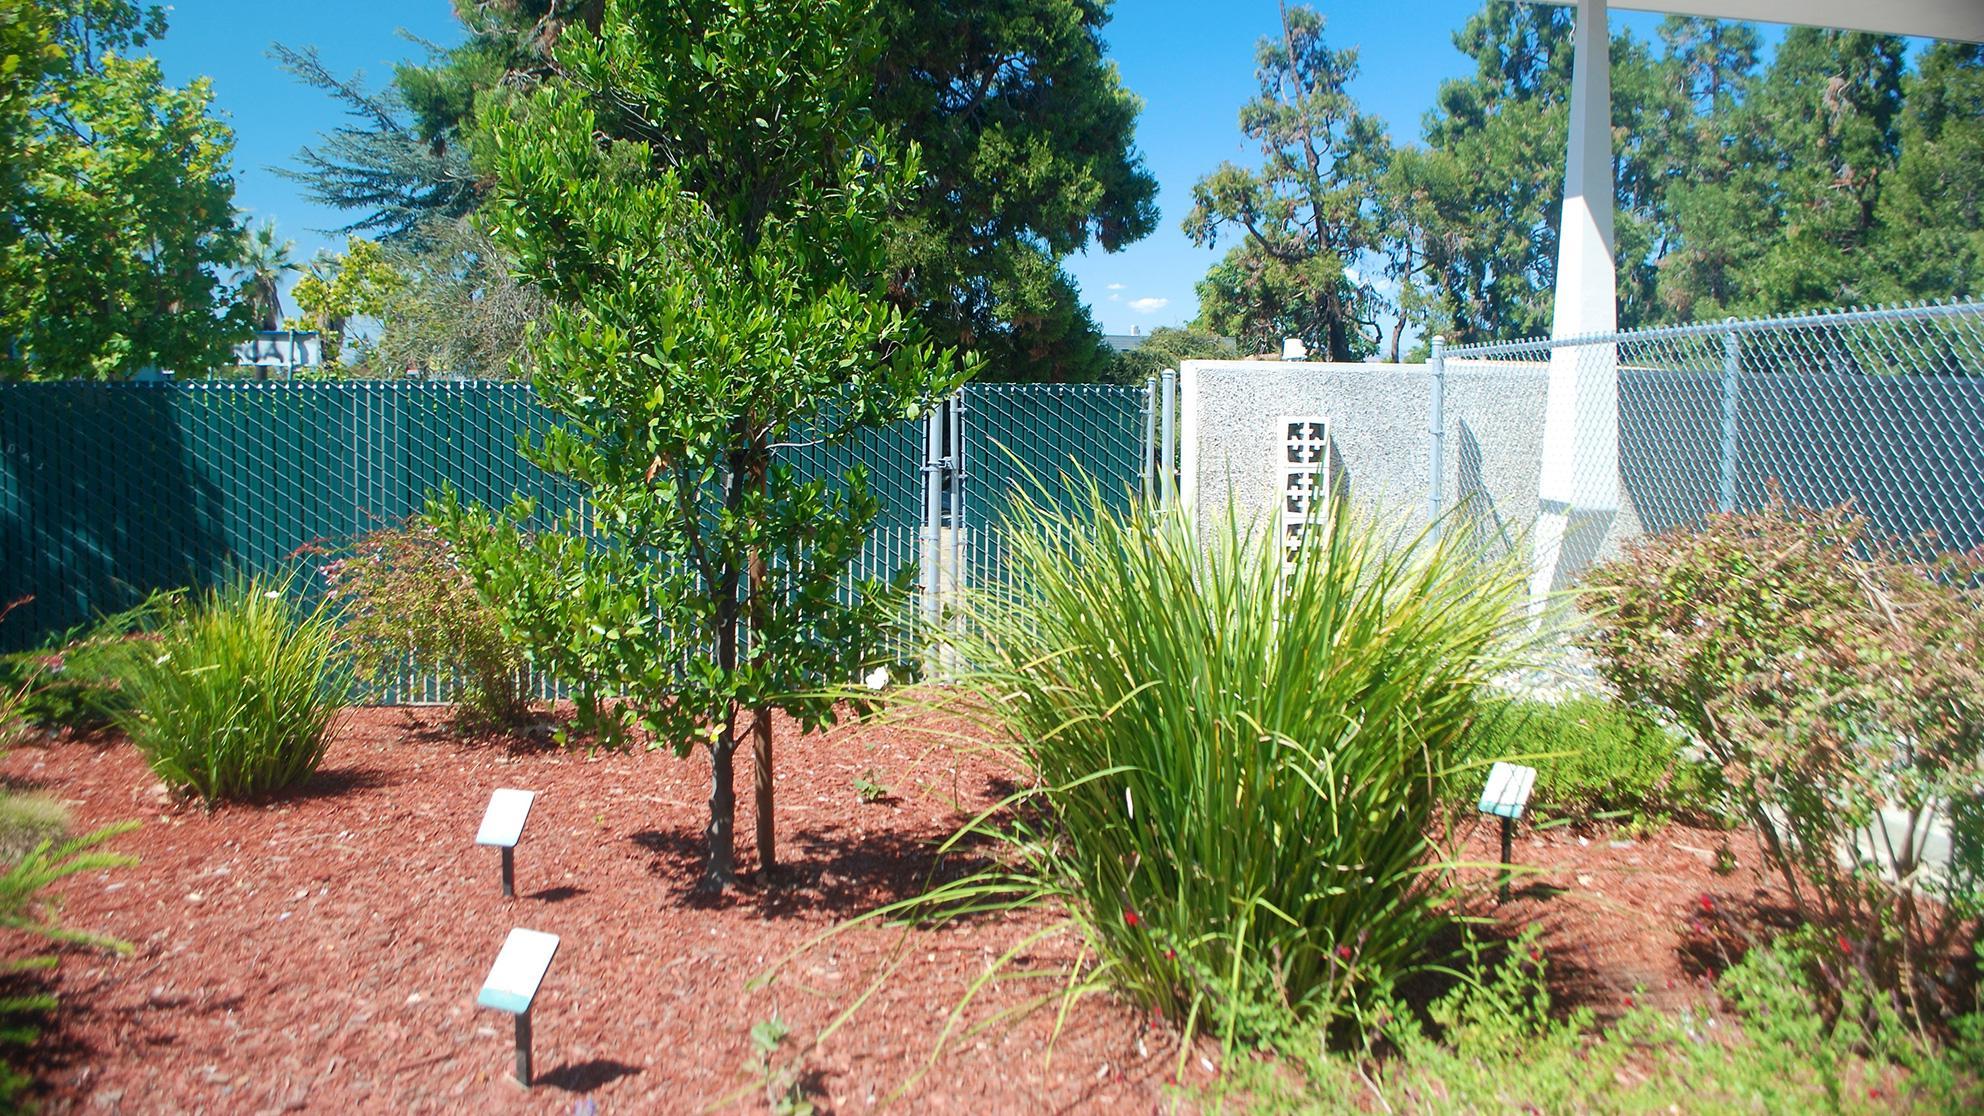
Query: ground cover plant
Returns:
{"type": "Point", "coordinates": [1239, 760]}
{"type": "Point", "coordinates": [1830, 678]}
{"type": "Point", "coordinates": [233, 695]}
{"type": "Point", "coordinates": [1595, 760]}
{"type": "Point", "coordinates": [404, 603]}
{"type": "Point", "coordinates": [72, 681]}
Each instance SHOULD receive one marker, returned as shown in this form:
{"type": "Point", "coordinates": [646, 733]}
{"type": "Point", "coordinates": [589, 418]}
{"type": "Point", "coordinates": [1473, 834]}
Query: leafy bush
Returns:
{"type": "Point", "coordinates": [236, 694]}
{"type": "Point", "coordinates": [1593, 759]}
{"type": "Point", "coordinates": [1828, 677]}
{"type": "Point", "coordinates": [403, 600]}
{"type": "Point", "coordinates": [1238, 762]}
{"type": "Point", "coordinates": [72, 681]}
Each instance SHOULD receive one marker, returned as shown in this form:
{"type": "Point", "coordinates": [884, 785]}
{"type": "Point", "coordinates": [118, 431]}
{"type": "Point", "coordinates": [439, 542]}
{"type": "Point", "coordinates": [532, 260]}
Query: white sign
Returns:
{"type": "Point", "coordinates": [1508, 790]}
{"type": "Point", "coordinates": [503, 822]}
{"type": "Point", "coordinates": [519, 969]}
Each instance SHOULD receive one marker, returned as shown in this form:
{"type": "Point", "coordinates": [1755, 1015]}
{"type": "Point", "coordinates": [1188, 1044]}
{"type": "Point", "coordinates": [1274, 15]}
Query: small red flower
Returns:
{"type": "Point", "coordinates": [1130, 918]}
{"type": "Point", "coordinates": [1535, 954]}
{"type": "Point", "coordinates": [1708, 903]}
{"type": "Point", "coordinates": [1343, 952]}
{"type": "Point", "coordinates": [1873, 1094]}
{"type": "Point", "coordinates": [1629, 1001]}
{"type": "Point", "coordinates": [1171, 955]}
{"type": "Point", "coordinates": [1845, 947]}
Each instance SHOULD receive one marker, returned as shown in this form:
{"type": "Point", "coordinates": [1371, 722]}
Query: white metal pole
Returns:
{"type": "Point", "coordinates": [1732, 362]}
{"type": "Point", "coordinates": [1437, 427]}
{"type": "Point", "coordinates": [1167, 450]}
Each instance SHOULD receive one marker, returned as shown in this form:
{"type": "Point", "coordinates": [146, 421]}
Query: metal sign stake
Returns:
{"type": "Point", "coordinates": [503, 826]}
{"type": "Point", "coordinates": [1505, 796]}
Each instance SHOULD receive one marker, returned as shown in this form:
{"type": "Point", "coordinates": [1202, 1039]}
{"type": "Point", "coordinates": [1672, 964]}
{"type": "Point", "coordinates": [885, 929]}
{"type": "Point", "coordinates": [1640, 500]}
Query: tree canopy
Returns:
{"type": "Point", "coordinates": [116, 201]}
{"type": "Point", "coordinates": [1026, 128]}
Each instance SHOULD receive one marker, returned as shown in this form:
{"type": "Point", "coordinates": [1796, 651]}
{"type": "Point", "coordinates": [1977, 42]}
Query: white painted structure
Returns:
{"type": "Point", "coordinates": [1578, 485]}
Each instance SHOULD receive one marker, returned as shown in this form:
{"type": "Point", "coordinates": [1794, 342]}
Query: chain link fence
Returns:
{"type": "Point", "coordinates": [111, 491]}
{"type": "Point", "coordinates": [1572, 447]}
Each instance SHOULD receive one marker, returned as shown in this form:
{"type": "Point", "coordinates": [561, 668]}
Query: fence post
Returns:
{"type": "Point", "coordinates": [1168, 449]}
{"type": "Point", "coordinates": [956, 464]}
{"type": "Point", "coordinates": [933, 513]}
{"type": "Point", "coordinates": [1150, 439]}
{"type": "Point", "coordinates": [1732, 361]}
{"type": "Point", "coordinates": [1436, 425]}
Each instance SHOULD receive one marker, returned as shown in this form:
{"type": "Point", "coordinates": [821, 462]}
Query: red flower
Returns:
{"type": "Point", "coordinates": [1171, 955]}
{"type": "Point", "coordinates": [1130, 918]}
{"type": "Point", "coordinates": [1708, 903]}
{"type": "Point", "coordinates": [1343, 952]}
{"type": "Point", "coordinates": [1845, 947]}
{"type": "Point", "coordinates": [1629, 1001]}
{"type": "Point", "coordinates": [1535, 954]}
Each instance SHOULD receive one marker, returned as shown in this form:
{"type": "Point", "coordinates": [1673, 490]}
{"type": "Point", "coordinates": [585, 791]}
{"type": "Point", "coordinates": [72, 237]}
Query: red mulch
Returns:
{"type": "Point", "coordinates": [324, 951]}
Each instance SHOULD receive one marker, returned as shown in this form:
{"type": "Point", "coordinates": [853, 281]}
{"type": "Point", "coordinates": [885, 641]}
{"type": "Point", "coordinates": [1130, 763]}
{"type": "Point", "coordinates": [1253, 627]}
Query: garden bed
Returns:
{"type": "Point", "coordinates": [324, 951]}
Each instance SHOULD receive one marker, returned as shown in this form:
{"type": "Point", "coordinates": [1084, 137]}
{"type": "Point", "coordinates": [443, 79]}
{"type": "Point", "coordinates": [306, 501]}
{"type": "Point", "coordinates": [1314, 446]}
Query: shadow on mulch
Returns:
{"type": "Point", "coordinates": [584, 1077]}
{"type": "Point", "coordinates": [556, 894]}
{"type": "Point", "coordinates": [331, 784]}
{"type": "Point", "coordinates": [833, 874]}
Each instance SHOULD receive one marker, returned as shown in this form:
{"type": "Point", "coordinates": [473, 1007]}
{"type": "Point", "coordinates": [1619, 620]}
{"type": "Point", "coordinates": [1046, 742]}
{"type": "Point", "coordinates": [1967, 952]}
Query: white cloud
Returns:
{"type": "Point", "coordinates": [1148, 305]}
{"type": "Point", "coordinates": [1115, 298]}
{"type": "Point", "coordinates": [1115, 286]}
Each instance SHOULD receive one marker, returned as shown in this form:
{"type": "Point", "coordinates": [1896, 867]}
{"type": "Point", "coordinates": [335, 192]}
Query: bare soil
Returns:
{"type": "Point", "coordinates": [324, 951]}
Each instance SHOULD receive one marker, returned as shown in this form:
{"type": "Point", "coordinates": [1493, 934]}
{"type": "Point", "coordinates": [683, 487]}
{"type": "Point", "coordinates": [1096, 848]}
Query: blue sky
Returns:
{"type": "Point", "coordinates": [1191, 62]}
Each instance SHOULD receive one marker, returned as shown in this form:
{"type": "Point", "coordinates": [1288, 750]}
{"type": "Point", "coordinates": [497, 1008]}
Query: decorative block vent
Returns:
{"type": "Point", "coordinates": [1305, 476]}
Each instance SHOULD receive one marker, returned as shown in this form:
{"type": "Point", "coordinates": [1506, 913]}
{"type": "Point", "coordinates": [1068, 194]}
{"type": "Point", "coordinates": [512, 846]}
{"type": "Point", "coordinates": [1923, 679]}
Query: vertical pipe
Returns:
{"type": "Point", "coordinates": [1732, 363]}
{"type": "Point", "coordinates": [509, 872]}
{"type": "Point", "coordinates": [1436, 486]}
{"type": "Point", "coordinates": [1167, 450]}
{"type": "Point", "coordinates": [523, 1048]}
{"type": "Point", "coordinates": [1150, 439]}
{"type": "Point", "coordinates": [959, 578]}
{"type": "Point", "coordinates": [933, 511]}
{"type": "Point", "coordinates": [1508, 853]}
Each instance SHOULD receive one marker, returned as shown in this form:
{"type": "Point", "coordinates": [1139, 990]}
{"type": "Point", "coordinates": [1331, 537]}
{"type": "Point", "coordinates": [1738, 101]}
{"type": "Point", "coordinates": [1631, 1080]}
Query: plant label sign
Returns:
{"type": "Point", "coordinates": [519, 969]}
{"type": "Point", "coordinates": [503, 821]}
{"type": "Point", "coordinates": [1508, 790]}
{"type": "Point", "coordinates": [512, 985]}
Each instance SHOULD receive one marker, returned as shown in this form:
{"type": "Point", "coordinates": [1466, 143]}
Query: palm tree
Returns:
{"type": "Point", "coordinates": [264, 262]}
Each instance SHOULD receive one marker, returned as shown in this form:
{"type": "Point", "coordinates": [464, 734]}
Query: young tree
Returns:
{"type": "Point", "coordinates": [718, 289]}
{"type": "Point", "coordinates": [120, 213]}
{"type": "Point", "coordinates": [336, 288]}
{"type": "Point", "coordinates": [1933, 209]}
{"type": "Point", "coordinates": [1305, 219]}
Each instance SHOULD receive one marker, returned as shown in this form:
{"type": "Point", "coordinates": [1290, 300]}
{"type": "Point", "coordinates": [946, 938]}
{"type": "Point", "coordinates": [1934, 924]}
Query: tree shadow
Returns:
{"type": "Point", "coordinates": [336, 782]}
{"type": "Point", "coordinates": [587, 1076]}
{"type": "Point", "coordinates": [835, 871]}
{"type": "Point", "coordinates": [556, 894]}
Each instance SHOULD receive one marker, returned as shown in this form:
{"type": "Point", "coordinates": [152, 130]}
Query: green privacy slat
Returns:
{"type": "Point", "coordinates": [110, 491]}
{"type": "Point", "coordinates": [1044, 441]}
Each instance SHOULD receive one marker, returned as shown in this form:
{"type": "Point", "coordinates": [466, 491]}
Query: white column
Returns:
{"type": "Point", "coordinates": [1578, 488]}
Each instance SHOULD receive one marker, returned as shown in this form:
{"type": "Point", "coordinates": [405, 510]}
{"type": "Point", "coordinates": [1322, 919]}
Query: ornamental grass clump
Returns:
{"type": "Point", "coordinates": [235, 695]}
{"type": "Point", "coordinates": [1239, 760]}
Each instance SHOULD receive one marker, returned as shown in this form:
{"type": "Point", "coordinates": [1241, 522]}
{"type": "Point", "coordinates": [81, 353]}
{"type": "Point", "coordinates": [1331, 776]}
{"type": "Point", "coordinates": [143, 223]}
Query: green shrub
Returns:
{"type": "Point", "coordinates": [1238, 764]}
{"type": "Point", "coordinates": [1828, 677]}
{"type": "Point", "coordinates": [1594, 760]}
{"type": "Point", "coordinates": [404, 601]}
{"type": "Point", "coordinates": [234, 697]}
{"type": "Point", "coordinates": [72, 682]}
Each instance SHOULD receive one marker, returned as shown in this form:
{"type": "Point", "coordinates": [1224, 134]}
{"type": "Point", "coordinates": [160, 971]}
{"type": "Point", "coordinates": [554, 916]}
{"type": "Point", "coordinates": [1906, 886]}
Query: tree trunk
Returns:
{"type": "Point", "coordinates": [761, 786]}
{"type": "Point", "coordinates": [721, 871]}
{"type": "Point", "coordinates": [757, 473]}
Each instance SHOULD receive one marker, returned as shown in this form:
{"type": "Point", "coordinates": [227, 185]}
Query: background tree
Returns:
{"type": "Point", "coordinates": [120, 210]}
{"type": "Point", "coordinates": [340, 287]}
{"type": "Point", "coordinates": [1306, 217]}
{"type": "Point", "coordinates": [1783, 213]}
{"type": "Point", "coordinates": [456, 309]}
{"type": "Point", "coordinates": [1026, 127]}
{"type": "Point", "coordinates": [264, 262]}
{"type": "Point", "coordinates": [1932, 210]}
{"type": "Point", "coordinates": [1165, 348]}
{"type": "Point", "coordinates": [717, 287]}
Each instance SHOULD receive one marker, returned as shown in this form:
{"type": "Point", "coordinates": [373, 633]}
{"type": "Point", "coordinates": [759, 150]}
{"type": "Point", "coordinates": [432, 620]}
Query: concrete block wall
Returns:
{"type": "Point", "coordinates": [1379, 415]}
